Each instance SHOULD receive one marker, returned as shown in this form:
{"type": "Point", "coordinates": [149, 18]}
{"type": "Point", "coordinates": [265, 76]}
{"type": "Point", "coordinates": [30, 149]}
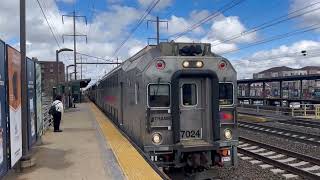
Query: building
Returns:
{"type": "Point", "coordinates": [49, 73]}
{"type": "Point", "coordinates": [284, 71]}
{"type": "Point", "coordinates": [281, 86]}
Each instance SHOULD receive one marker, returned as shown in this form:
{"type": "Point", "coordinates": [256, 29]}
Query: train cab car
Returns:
{"type": "Point", "coordinates": [177, 102]}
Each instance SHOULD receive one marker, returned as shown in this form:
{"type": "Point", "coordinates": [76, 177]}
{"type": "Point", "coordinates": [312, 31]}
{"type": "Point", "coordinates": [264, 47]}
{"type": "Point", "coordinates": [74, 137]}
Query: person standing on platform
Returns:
{"type": "Point", "coordinates": [57, 108]}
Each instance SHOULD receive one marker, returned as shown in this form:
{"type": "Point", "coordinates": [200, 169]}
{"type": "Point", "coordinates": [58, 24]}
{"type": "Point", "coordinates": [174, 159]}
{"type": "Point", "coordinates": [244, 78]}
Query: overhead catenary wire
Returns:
{"type": "Point", "coordinates": [272, 22]}
{"type": "Point", "coordinates": [310, 52]}
{"type": "Point", "coordinates": [44, 15]}
{"type": "Point", "coordinates": [55, 31]}
{"type": "Point", "coordinates": [98, 58]}
{"type": "Point", "coordinates": [208, 18]}
{"type": "Point", "coordinates": [270, 61]}
{"type": "Point", "coordinates": [143, 17]}
{"type": "Point", "coordinates": [277, 37]}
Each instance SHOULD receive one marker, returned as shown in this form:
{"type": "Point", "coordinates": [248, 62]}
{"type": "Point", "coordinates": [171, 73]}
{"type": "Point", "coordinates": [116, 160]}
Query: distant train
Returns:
{"type": "Point", "coordinates": [177, 102]}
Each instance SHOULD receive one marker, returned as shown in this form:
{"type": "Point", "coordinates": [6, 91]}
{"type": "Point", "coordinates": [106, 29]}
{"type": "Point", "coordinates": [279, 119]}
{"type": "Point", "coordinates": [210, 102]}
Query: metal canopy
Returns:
{"type": "Point", "coordinates": [278, 79]}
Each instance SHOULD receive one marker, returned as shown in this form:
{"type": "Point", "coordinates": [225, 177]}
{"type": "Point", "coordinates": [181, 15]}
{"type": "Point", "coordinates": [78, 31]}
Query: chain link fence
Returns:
{"type": "Point", "coordinates": [47, 118]}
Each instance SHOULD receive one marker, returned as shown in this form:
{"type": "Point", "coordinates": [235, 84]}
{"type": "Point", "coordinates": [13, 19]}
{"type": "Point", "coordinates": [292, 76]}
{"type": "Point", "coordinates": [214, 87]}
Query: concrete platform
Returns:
{"type": "Point", "coordinates": [80, 152]}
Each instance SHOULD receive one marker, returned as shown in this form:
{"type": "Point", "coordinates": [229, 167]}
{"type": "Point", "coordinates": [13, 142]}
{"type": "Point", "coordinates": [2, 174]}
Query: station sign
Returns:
{"type": "Point", "coordinates": [14, 83]}
{"type": "Point", "coordinates": [31, 103]}
{"type": "Point", "coordinates": [3, 113]}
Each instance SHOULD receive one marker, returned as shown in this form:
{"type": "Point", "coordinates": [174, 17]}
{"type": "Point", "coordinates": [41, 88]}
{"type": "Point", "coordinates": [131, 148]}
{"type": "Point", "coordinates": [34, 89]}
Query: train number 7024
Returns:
{"type": "Point", "coordinates": [190, 134]}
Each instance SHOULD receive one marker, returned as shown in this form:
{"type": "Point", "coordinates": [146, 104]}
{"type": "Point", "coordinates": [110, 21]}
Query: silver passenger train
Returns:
{"type": "Point", "coordinates": [177, 102]}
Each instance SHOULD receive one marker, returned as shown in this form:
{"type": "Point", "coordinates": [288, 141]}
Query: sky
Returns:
{"type": "Point", "coordinates": [230, 32]}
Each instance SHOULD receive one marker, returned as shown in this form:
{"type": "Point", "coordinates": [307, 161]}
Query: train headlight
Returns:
{"type": "Point", "coordinates": [228, 134]}
{"type": "Point", "coordinates": [199, 64]}
{"type": "Point", "coordinates": [156, 138]}
{"type": "Point", "coordinates": [185, 64]}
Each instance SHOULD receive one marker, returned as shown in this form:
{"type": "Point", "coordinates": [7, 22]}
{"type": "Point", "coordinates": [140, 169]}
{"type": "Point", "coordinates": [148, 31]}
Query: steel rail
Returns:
{"type": "Point", "coordinates": [308, 138]}
{"type": "Point", "coordinates": [280, 165]}
{"type": "Point", "coordinates": [286, 120]}
{"type": "Point", "coordinates": [301, 123]}
{"type": "Point", "coordinates": [302, 157]}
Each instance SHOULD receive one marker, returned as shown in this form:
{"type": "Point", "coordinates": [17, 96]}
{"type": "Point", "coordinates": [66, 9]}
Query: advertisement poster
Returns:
{"type": "Point", "coordinates": [14, 82]}
{"type": "Point", "coordinates": [3, 112]}
{"type": "Point", "coordinates": [31, 103]}
{"type": "Point", "coordinates": [39, 99]}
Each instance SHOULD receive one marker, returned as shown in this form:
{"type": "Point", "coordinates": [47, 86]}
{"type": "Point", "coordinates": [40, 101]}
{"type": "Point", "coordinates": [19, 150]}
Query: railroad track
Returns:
{"type": "Point", "coordinates": [286, 120]}
{"type": "Point", "coordinates": [289, 134]}
{"type": "Point", "coordinates": [301, 123]}
{"type": "Point", "coordinates": [290, 164]}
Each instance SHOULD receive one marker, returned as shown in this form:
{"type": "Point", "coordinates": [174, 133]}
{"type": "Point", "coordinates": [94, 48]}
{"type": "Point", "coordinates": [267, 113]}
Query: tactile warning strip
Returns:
{"type": "Point", "coordinates": [131, 162]}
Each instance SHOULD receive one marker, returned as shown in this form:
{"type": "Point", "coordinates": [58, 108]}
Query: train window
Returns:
{"type": "Point", "coordinates": [159, 95]}
{"type": "Point", "coordinates": [225, 93]}
{"type": "Point", "coordinates": [189, 94]}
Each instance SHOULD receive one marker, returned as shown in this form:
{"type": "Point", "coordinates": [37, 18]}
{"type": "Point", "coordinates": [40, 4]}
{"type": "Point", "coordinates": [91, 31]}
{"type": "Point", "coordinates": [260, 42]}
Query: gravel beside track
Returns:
{"type": "Point", "coordinates": [243, 171]}
{"type": "Point", "coordinates": [247, 171]}
{"type": "Point", "coordinates": [281, 142]}
{"type": "Point", "coordinates": [294, 164]}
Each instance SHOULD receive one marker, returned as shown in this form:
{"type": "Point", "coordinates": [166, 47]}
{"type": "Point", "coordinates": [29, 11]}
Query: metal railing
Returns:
{"type": "Point", "coordinates": [265, 109]}
{"type": "Point", "coordinates": [300, 110]}
{"type": "Point", "coordinates": [306, 110]}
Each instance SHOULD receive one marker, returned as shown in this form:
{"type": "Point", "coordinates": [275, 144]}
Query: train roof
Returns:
{"type": "Point", "coordinates": [168, 49]}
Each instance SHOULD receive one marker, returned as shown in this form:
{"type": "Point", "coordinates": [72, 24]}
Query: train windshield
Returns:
{"type": "Point", "coordinates": [159, 95]}
{"type": "Point", "coordinates": [189, 94]}
{"type": "Point", "coordinates": [225, 93]}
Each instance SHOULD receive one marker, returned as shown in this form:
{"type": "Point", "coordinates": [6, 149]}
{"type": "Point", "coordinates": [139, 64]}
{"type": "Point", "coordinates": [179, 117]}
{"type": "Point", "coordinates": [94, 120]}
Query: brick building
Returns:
{"type": "Point", "coordinates": [284, 71]}
{"type": "Point", "coordinates": [49, 73]}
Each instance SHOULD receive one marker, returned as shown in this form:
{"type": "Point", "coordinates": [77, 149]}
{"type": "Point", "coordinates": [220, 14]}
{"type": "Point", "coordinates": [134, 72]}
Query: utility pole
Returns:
{"type": "Point", "coordinates": [157, 21]}
{"type": "Point", "coordinates": [74, 35]}
{"type": "Point", "coordinates": [24, 105]}
{"type": "Point", "coordinates": [158, 31]}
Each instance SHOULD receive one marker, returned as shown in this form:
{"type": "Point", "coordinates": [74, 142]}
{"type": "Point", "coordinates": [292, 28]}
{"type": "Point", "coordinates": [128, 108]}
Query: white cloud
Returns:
{"type": "Point", "coordinates": [67, 1]}
{"type": "Point", "coordinates": [196, 15]}
{"type": "Point", "coordinates": [161, 5]}
{"type": "Point", "coordinates": [181, 24]}
{"type": "Point", "coordinates": [134, 50]}
{"type": "Point", "coordinates": [308, 18]}
{"type": "Point", "coordinates": [222, 28]}
{"type": "Point", "coordinates": [227, 27]}
{"type": "Point", "coordinates": [222, 47]}
{"type": "Point", "coordinates": [106, 30]}
{"type": "Point", "coordinates": [177, 24]}
{"type": "Point", "coordinates": [185, 39]}
{"type": "Point", "coordinates": [289, 55]}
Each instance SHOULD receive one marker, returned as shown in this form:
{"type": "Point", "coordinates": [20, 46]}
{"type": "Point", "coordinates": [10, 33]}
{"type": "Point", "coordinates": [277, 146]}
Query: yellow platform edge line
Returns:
{"type": "Point", "coordinates": [130, 160]}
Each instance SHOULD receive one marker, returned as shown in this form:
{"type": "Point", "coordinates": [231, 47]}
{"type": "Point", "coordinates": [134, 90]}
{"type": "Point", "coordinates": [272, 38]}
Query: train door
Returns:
{"type": "Point", "coordinates": [192, 108]}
